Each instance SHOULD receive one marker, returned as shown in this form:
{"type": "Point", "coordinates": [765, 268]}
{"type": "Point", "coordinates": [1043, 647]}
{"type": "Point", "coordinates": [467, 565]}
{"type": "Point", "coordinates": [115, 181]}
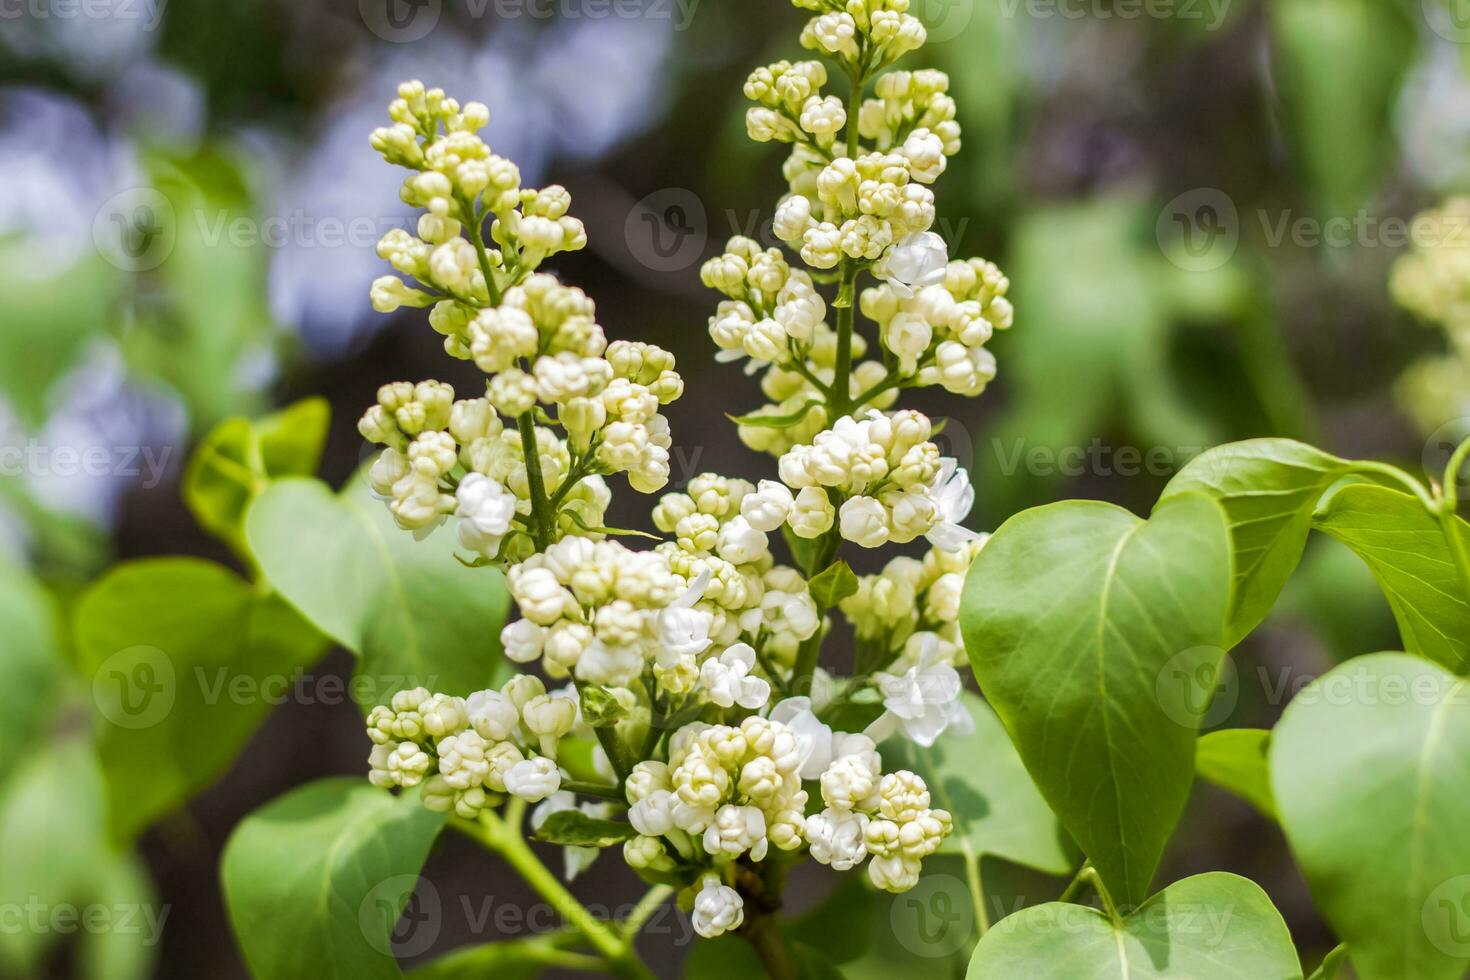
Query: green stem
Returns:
{"type": "Point", "coordinates": [1075, 885]}
{"type": "Point", "coordinates": [646, 906]}
{"type": "Point", "coordinates": [891, 381]}
{"type": "Point", "coordinates": [473, 221]}
{"type": "Point", "coordinates": [503, 836]}
{"type": "Point", "coordinates": [810, 650]}
{"type": "Point", "coordinates": [839, 398]}
{"type": "Point", "coordinates": [1400, 477]}
{"type": "Point", "coordinates": [542, 520]}
{"type": "Point", "coordinates": [617, 752]}
{"type": "Point", "coordinates": [763, 933]}
{"type": "Point", "coordinates": [600, 790]}
{"type": "Point", "coordinates": [977, 885]}
{"type": "Point", "coordinates": [1102, 892]}
{"type": "Point", "coordinates": [1452, 475]}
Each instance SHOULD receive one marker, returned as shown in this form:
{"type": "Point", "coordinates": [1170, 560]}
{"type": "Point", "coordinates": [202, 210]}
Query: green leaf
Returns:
{"type": "Point", "coordinates": [1269, 488]}
{"type": "Point", "coordinates": [1234, 759]}
{"type": "Point", "coordinates": [766, 420]}
{"type": "Point", "coordinates": [48, 324]}
{"type": "Point", "coordinates": [573, 828]}
{"type": "Point", "coordinates": [176, 647]}
{"type": "Point", "coordinates": [600, 708]}
{"type": "Point", "coordinates": [802, 549]}
{"type": "Point", "coordinates": [54, 853]}
{"type": "Point", "coordinates": [1079, 617]}
{"type": "Point", "coordinates": [315, 881]}
{"type": "Point", "coordinates": [1406, 550]}
{"type": "Point", "coordinates": [1340, 127]}
{"type": "Point", "coordinates": [1369, 766]}
{"type": "Point", "coordinates": [1331, 965]}
{"type": "Point", "coordinates": [982, 782]}
{"type": "Point", "coordinates": [239, 458]}
{"type": "Point", "coordinates": [31, 660]}
{"type": "Point", "coordinates": [412, 614]}
{"type": "Point", "coordinates": [833, 584]}
{"type": "Point", "coordinates": [1210, 927]}
{"type": "Point", "coordinates": [504, 959]}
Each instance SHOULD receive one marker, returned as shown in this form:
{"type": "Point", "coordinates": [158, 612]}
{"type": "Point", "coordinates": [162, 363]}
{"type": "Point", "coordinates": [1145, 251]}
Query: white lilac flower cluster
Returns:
{"type": "Point", "coordinates": [1432, 282]}
{"type": "Point", "coordinates": [694, 664]}
{"type": "Point", "coordinates": [937, 332]}
{"type": "Point", "coordinates": [729, 791]}
{"type": "Point", "coordinates": [775, 317]}
{"type": "Point", "coordinates": [469, 753]}
{"type": "Point", "coordinates": [585, 407]}
{"type": "Point", "coordinates": [878, 478]}
{"type": "Point", "coordinates": [750, 598]}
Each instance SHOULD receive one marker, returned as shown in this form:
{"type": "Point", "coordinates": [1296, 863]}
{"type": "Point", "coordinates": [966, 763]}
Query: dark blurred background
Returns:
{"type": "Point", "coordinates": [1196, 202]}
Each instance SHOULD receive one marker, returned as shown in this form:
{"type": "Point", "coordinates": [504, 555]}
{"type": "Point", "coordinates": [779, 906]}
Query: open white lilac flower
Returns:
{"type": "Point", "coordinates": [697, 728]}
{"type": "Point", "coordinates": [919, 260]}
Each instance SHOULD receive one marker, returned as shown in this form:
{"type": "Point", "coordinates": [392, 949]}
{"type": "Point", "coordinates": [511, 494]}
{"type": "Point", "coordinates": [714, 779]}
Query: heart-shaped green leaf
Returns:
{"type": "Point", "coordinates": [1369, 766]}
{"type": "Point", "coordinates": [239, 458]}
{"type": "Point", "coordinates": [1406, 549]}
{"type": "Point", "coordinates": [413, 615]}
{"type": "Point", "coordinates": [315, 881]}
{"type": "Point", "coordinates": [1235, 759]}
{"type": "Point", "coordinates": [176, 648]}
{"type": "Point", "coordinates": [1210, 927]}
{"type": "Point", "coordinates": [31, 660]}
{"type": "Point", "coordinates": [54, 855]}
{"type": "Point", "coordinates": [1078, 618]}
{"type": "Point", "coordinates": [1269, 488]}
{"type": "Point", "coordinates": [982, 782]}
